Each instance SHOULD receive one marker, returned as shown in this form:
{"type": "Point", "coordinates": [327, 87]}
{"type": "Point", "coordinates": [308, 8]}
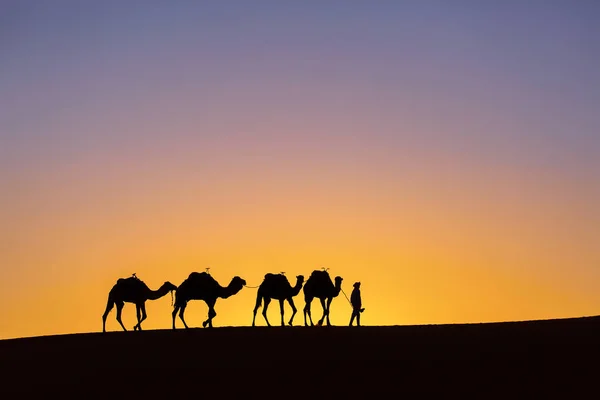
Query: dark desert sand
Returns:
{"type": "Point", "coordinates": [491, 360]}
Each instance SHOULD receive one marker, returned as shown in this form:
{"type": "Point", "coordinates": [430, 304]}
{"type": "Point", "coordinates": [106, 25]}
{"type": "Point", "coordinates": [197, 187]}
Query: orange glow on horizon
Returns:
{"type": "Point", "coordinates": [419, 260]}
{"type": "Point", "coordinates": [450, 165]}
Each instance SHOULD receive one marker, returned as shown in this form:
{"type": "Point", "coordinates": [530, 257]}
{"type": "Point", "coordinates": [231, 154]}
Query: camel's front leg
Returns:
{"type": "Point", "coordinates": [307, 301]}
{"type": "Point", "coordinates": [138, 316]}
{"type": "Point", "coordinates": [138, 313]}
{"type": "Point", "coordinates": [174, 314]}
{"type": "Point", "coordinates": [211, 313]}
{"type": "Point", "coordinates": [143, 311]}
{"type": "Point", "coordinates": [281, 311]}
{"type": "Point", "coordinates": [291, 301]}
{"type": "Point", "coordinates": [120, 306]}
{"type": "Point", "coordinates": [324, 306]}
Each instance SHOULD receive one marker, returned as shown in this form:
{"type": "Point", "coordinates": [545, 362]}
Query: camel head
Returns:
{"type": "Point", "coordinates": [338, 281]}
{"type": "Point", "coordinates": [168, 286]}
{"type": "Point", "coordinates": [237, 284]}
{"type": "Point", "coordinates": [300, 279]}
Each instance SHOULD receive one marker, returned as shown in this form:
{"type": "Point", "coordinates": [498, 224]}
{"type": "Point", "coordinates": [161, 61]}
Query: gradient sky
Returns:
{"type": "Point", "coordinates": [444, 153]}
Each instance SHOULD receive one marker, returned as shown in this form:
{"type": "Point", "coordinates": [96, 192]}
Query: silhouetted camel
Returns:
{"type": "Point", "coordinates": [202, 286]}
{"type": "Point", "coordinates": [319, 285]}
{"type": "Point", "coordinates": [133, 290]}
{"type": "Point", "coordinates": [277, 286]}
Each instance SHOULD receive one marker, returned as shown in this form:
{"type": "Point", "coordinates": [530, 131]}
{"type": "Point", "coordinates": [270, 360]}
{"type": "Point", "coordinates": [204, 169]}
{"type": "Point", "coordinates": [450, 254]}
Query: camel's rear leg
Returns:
{"type": "Point", "coordinates": [120, 305]}
{"type": "Point", "coordinates": [181, 314]}
{"type": "Point", "coordinates": [256, 307]}
{"type": "Point", "coordinates": [109, 306]}
{"type": "Point", "coordinates": [291, 301]}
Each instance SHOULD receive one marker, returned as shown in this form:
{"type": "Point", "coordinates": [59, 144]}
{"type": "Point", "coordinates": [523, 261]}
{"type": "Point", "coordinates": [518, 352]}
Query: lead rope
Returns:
{"type": "Point", "coordinates": [349, 302]}
{"type": "Point", "coordinates": [171, 298]}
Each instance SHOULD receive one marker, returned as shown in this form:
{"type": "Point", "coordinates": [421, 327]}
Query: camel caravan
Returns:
{"type": "Point", "coordinates": [202, 286]}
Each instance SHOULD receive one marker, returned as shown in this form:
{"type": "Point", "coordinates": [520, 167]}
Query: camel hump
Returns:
{"type": "Point", "coordinates": [129, 279]}
{"type": "Point", "coordinates": [201, 277]}
{"type": "Point", "coordinates": [275, 278]}
{"type": "Point", "coordinates": [132, 282]}
{"type": "Point", "coordinates": [319, 274]}
{"type": "Point", "coordinates": [197, 275]}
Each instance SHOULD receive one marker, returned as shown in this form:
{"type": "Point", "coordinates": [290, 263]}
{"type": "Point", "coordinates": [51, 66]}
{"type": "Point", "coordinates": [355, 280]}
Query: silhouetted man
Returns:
{"type": "Point", "coordinates": [356, 302]}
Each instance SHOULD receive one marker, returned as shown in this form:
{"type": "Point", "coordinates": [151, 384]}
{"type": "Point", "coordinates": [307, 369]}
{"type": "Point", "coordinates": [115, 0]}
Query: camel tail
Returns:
{"type": "Point", "coordinates": [258, 301]}
{"type": "Point", "coordinates": [109, 306]}
{"type": "Point", "coordinates": [177, 300]}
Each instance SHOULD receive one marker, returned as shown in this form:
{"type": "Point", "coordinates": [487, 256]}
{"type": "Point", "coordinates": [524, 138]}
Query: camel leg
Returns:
{"type": "Point", "coordinates": [256, 307]}
{"type": "Point", "coordinates": [308, 300]}
{"type": "Point", "coordinates": [291, 301]}
{"type": "Point", "coordinates": [211, 313]}
{"type": "Point", "coordinates": [265, 307]}
{"type": "Point", "coordinates": [324, 311]}
{"type": "Point", "coordinates": [109, 307]}
{"type": "Point", "coordinates": [281, 311]}
{"type": "Point", "coordinates": [138, 314]}
{"type": "Point", "coordinates": [143, 315]}
{"type": "Point", "coordinates": [174, 314]}
{"type": "Point", "coordinates": [120, 306]}
{"type": "Point", "coordinates": [329, 300]}
{"type": "Point", "coordinates": [181, 316]}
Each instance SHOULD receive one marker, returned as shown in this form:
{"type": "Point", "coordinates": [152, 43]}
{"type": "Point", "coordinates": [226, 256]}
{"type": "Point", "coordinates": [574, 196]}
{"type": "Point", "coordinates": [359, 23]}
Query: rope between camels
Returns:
{"type": "Point", "coordinates": [252, 287]}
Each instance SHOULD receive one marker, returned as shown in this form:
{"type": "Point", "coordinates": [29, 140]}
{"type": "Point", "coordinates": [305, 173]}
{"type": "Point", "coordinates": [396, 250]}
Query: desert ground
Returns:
{"type": "Point", "coordinates": [490, 360]}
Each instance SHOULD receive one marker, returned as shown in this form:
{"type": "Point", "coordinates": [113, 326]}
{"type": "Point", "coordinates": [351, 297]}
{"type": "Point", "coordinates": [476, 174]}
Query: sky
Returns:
{"type": "Point", "coordinates": [446, 154]}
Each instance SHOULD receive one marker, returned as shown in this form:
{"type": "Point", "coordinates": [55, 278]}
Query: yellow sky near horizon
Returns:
{"type": "Point", "coordinates": [423, 255]}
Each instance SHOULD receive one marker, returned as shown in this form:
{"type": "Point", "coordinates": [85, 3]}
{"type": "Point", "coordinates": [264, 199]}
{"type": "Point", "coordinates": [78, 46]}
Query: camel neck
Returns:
{"type": "Point", "coordinates": [296, 289]}
{"type": "Point", "coordinates": [337, 289]}
{"type": "Point", "coordinates": [157, 294]}
{"type": "Point", "coordinates": [225, 292]}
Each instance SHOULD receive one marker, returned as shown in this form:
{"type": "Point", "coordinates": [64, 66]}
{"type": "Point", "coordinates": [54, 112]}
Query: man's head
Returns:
{"type": "Point", "coordinates": [357, 285]}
